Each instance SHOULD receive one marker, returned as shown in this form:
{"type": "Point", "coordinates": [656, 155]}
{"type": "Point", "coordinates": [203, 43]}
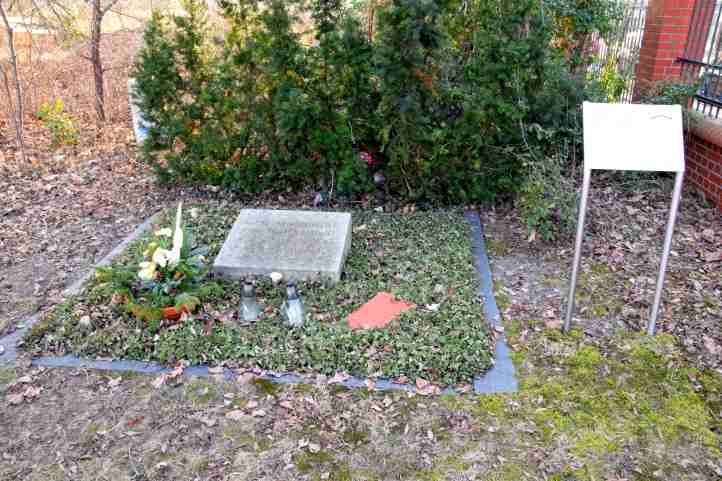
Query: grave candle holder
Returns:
{"type": "Point", "coordinates": [250, 310]}
{"type": "Point", "coordinates": [292, 308]}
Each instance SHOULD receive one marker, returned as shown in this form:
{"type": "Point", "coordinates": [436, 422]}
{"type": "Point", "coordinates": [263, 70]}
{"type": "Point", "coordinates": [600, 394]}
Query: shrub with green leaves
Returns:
{"type": "Point", "coordinates": [444, 93]}
{"type": "Point", "coordinates": [547, 200]}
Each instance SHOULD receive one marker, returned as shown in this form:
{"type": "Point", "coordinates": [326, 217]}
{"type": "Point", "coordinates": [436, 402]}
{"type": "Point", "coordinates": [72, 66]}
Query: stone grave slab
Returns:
{"type": "Point", "coordinates": [301, 245]}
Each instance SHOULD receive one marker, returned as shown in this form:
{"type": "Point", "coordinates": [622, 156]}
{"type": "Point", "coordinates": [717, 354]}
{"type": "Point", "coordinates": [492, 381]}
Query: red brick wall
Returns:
{"type": "Point", "coordinates": [664, 41]}
{"type": "Point", "coordinates": [666, 38]}
{"type": "Point", "coordinates": [704, 158]}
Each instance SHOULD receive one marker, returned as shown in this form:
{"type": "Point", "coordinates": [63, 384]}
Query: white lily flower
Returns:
{"type": "Point", "coordinates": [171, 258]}
{"type": "Point", "coordinates": [165, 232]}
{"type": "Point", "coordinates": [147, 271]}
{"type": "Point", "coordinates": [162, 257]}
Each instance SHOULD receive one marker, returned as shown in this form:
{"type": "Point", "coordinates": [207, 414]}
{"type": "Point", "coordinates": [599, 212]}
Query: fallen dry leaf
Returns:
{"type": "Point", "coordinates": [713, 256]}
{"type": "Point", "coordinates": [708, 235]}
{"type": "Point", "coordinates": [32, 392]}
{"type": "Point", "coordinates": [553, 324]}
{"type": "Point", "coordinates": [339, 377]}
{"type": "Point", "coordinates": [401, 380]}
{"type": "Point", "coordinates": [166, 376]}
{"type": "Point", "coordinates": [236, 415]}
{"type": "Point", "coordinates": [134, 422]}
{"type": "Point", "coordinates": [713, 347]}
{"type": "Point", "coordinates": [14, 399]}
{"type": "Point", "coordinates": [207, 421]}
{"type": "Point", "coordinates": [425, 388]}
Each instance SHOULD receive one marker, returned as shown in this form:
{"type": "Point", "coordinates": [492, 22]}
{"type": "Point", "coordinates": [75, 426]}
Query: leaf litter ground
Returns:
{"type": "Point", "coordinates": [603, 403]}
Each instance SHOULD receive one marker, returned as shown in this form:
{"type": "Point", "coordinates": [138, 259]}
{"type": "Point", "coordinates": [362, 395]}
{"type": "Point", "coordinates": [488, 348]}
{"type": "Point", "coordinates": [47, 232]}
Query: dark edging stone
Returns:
{"type": "Point", "coordinates": [499, 379]}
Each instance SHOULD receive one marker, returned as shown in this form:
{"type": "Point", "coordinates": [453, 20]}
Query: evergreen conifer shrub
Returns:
{"type": "Point", "coordinates": [293, 94]}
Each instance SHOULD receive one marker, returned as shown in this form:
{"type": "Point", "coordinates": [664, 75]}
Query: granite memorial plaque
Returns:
{"type": "Point", "coordinates": [301, 245]}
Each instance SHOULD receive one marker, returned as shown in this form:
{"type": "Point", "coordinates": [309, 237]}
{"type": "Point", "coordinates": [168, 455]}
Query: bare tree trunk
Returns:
{"type": "Point", "coordinates": [96, 22]}
{"type": "Point", "coordinates": [17, 114]}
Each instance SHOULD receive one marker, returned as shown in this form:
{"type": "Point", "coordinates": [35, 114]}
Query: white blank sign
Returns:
{"type": "Point", "coordinates": [633, 137]}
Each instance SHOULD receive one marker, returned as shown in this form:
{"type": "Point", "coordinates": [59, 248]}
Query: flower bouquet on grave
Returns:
{"type": "Point", "coordinates": [166, 282]}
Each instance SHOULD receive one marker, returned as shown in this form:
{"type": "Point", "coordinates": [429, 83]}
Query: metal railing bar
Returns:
{"type": "Point", "coordinates": [699, 63]}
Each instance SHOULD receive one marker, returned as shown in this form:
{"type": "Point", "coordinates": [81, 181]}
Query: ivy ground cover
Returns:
{"type": "Point", "coordinates": [422, 257]}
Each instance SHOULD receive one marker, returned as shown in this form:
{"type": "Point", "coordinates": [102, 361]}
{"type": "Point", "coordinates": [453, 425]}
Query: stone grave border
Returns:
{"type": "Point", "coordinates": [499, 379]}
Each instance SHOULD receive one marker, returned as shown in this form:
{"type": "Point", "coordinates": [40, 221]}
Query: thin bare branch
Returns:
{"type": "Point", "coordinates": [123, 14]}
{"type": "Point", "coordinates": [18, 107]}
{"type": "Point", "coordinates": [110, 5]}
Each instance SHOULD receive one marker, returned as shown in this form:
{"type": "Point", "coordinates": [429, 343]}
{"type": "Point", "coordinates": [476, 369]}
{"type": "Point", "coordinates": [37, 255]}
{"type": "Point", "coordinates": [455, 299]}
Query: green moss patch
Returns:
{"type": "Point", "coordinates": [599, 399]}
{"type": "Point", "coordinates": [424, 258]}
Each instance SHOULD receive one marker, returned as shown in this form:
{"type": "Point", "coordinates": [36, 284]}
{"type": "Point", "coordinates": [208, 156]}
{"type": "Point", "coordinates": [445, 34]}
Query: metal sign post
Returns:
{"type": "Point", "coordinates": [630, 137]}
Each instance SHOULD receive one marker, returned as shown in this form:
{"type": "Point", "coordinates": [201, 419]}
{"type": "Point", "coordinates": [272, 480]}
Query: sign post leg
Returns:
{"type": "Point", "coordinates": [652, 325]}
{"type": "Point", "coordinates": [577, 249]}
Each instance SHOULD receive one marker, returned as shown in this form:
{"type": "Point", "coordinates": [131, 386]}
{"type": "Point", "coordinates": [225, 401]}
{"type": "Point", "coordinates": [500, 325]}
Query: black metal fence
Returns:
{"type": "Point", "coordinates": [616, 54]}
{"type": "Point", "coordinates": [702, 59]}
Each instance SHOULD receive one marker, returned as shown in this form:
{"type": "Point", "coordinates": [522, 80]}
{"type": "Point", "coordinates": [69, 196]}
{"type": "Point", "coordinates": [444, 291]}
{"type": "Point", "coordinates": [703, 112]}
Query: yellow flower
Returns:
{"type": "Point", "coordinates": [147, 271]}
{"type": "Point", "coordinates": [150, 250]}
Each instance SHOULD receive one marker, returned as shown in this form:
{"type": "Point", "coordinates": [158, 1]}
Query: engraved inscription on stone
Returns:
{"type": "Point", "coordinates": [299, 244]}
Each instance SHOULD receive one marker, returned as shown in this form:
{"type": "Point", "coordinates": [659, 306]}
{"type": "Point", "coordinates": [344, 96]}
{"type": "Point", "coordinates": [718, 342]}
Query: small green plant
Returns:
{"type": "Point", "coordinates": [547, 200]}
{"type": "Point", "coordinates": [62, 126]}
{"type": "Point", "coordinates": [353, 176]}
{"type": "Point", "coordinates": [612, 82]}
{"type": "Point", "coordinates": [666, 92]}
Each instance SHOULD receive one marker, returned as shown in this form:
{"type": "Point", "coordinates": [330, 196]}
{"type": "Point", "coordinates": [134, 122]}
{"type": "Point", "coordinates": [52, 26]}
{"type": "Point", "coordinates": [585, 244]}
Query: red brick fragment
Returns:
{"type": "Point", "coordinates": [378, 312]}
